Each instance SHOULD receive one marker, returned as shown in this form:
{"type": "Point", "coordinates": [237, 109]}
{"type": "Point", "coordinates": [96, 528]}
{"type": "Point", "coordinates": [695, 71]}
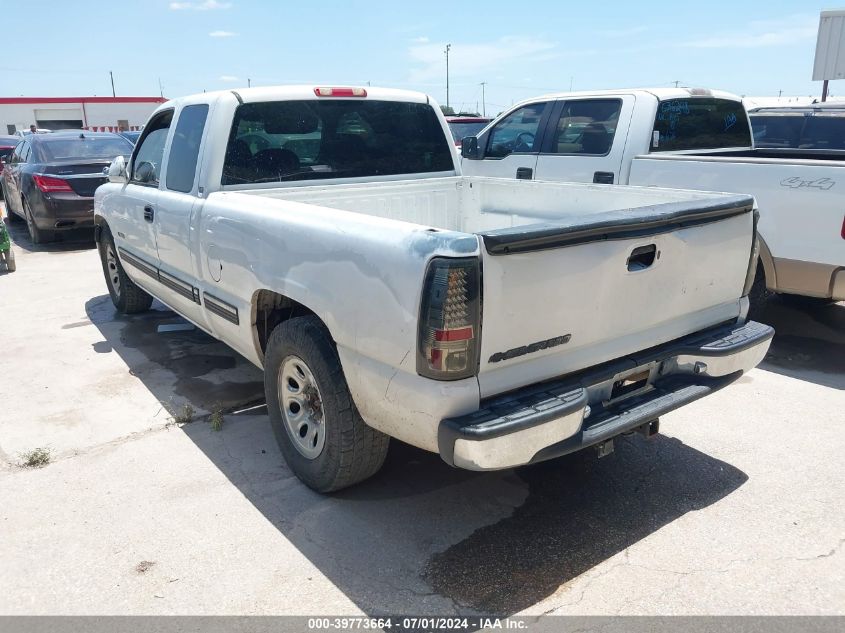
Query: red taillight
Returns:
{"type": "Point", "coordinates": [50, 184]}
{"type": "Point", "coordinates": [340, 92]}
{"type": "Point", "coordinates": [450, 320]}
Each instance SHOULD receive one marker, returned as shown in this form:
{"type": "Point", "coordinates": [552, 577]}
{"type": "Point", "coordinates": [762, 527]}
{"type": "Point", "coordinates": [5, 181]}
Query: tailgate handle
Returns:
{"type": "Point", "coordinates": [524, 173]}
{"type": "Point", "coordinates": [642, 257]}
{"type": "Point", "coordinates": [148, 213]}
{"type": "Point", "coordinates": [603, 177]}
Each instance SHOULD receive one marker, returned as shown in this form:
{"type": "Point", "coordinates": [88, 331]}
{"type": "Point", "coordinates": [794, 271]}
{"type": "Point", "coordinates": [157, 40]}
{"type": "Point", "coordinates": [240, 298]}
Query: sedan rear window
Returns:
{"type": "Point", "coordinates": [306, 140]}
{"type": "Point", "coordinates": [699, 123]}
{"type": "Point", "coordinates": [88, 147]}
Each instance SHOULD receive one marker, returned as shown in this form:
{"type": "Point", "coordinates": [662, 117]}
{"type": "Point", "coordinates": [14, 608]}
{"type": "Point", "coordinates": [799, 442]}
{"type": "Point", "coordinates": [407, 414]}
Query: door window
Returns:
{"type": "Point", "coordinates": [185, 148]}
{"type": "Point", "coordinates": [517, 132]}
{"type": "Point", "coordinates": [586, 127]}
{"type": "Point", "coordinates": [146, 165]}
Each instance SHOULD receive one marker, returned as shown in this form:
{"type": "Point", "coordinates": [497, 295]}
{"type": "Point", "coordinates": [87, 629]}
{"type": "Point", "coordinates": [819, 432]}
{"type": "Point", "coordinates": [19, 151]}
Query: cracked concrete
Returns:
{"type": "Point", "coordinates": [736, 508]}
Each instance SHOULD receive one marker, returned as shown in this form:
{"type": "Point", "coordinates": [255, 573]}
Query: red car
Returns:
{"type": "Point", "coordinates": [463, 126]}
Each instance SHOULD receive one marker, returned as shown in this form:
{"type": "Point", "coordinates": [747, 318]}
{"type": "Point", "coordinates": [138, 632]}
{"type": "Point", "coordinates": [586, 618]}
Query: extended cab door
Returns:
{"type": "Point", "coordinates": [179, 198]}
{"type": "Point", "coordinates": [133, 212]}
{"type": "Point", "coordinates": [586, 139]}
{"type": "Point", "coordinates": [509, 149]}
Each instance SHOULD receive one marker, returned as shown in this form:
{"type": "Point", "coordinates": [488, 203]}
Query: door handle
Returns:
{"type": "Point", "coordinates": [642, 257]}
{"type": "Point", "coordinates": [148, 213]}
{"type": "Point", "coordinates": [524, 173]}
{"type": "Point", "coordinates": [603, 177]}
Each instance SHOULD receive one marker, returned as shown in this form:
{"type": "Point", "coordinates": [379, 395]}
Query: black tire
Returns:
{"type": "Point", "coordinates": [126, 295]}
{"type": "Point", "coordinates": [352, 451]}
{"type": "Point", "coordinates": [38, 236]}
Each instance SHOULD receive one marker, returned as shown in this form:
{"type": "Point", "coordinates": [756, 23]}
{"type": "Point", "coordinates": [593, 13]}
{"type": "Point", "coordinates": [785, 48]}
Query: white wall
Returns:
{"type": "Point", "coordinates": [94, 114]}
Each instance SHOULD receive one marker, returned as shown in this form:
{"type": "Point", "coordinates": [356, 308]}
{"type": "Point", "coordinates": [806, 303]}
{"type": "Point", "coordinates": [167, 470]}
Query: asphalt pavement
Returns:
{"type": "Point", "coordinates": [735, 508]}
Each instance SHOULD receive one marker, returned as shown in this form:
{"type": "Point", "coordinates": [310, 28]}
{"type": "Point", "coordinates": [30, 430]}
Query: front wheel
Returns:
{"type": "Point", "coordinates": [321, 435]}
{"type": "Point", "coordinates": [126, 295]}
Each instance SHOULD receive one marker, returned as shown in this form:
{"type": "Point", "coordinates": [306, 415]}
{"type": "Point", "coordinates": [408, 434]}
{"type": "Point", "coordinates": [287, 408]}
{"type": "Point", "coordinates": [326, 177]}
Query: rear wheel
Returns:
{"type": "Point", "coordinates": [322, 436]}
{"type": "Point", "coordinates": [126, 295]}
{"type": "Point", "coordinates": [38, 236]}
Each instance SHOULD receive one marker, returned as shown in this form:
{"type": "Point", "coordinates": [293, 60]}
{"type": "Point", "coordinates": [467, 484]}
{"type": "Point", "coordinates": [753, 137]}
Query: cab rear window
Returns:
{"type": "Point", "coordinates": [699, 123]}
{"type": "Point", "coordinates": [309, 140]}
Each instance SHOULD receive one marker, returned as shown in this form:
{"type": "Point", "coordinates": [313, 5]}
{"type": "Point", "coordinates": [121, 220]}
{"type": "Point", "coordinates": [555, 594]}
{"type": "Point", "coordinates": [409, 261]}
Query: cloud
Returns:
{"type": "Point", "coordinates": [760, 33]}
{"type": "Point", "coordinates": [228, 78]}
{"type": "Point", "coordinates": [222, 34]}
{"type": "Point", "coordinates": [468, 59]}
{"type": "Point", "coordinates": [205, 5]}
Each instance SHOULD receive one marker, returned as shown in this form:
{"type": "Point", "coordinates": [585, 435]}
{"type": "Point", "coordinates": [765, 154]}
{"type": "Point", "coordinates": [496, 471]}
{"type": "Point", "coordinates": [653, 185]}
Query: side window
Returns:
{"type": "Point", "coordinates": [16, 154]}
{"type": "Point", "coordinates": [586, 127]}
{"type": "Point", "coordinates": [516, 132]}
{"type": "Point", "coordinates": [146, 164]}
{"type": "Point", "coordinates": [26, 150]}
{"type": "Point", "coordinates": [185, 148]}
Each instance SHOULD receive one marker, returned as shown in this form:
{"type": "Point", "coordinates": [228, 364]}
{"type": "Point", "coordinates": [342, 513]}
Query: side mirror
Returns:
{"type": "Point", "coordinates": [117, 171]}
{"type": "Point", "coordinates": [469, 147]}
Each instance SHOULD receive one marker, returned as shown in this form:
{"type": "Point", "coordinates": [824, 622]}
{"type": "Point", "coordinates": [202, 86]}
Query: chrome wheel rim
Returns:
{"type": "Point", "coordinates": [302, 407]}
{"type": "Point", "coordinates": [111, 269]}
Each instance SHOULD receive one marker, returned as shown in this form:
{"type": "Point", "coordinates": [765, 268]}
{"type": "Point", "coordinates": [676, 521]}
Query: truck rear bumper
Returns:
{"type": "Point", "coordinates": [550, 419]}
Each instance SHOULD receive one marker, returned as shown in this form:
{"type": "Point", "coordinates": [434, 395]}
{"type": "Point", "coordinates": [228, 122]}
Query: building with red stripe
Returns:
{"type": "Point", "coordinates": [100, 114]}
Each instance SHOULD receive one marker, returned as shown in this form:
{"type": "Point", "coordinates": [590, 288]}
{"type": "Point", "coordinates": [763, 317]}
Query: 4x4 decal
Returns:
{"type": "Point", "coordinates": [796, 183]}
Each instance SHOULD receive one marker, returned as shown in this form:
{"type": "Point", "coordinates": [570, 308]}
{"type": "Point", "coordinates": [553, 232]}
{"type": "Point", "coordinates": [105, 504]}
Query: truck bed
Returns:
{"type": "Point", "coordinates": [487, 206]}
{"type": "Point", "coordinates": [608, 270]}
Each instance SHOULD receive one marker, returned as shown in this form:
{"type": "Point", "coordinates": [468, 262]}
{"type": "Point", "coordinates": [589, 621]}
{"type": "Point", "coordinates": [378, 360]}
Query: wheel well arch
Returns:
{"type": "Point", "coordinates": [269, 308]}
{"type": "Point", "coordinates": [768, 264]}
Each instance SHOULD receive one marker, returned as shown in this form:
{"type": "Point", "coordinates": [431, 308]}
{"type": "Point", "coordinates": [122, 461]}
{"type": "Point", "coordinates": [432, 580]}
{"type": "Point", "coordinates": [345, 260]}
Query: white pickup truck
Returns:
{"type": "Point", "coordinates": [327, 235]}
{"type": "Point", "coordinates": [690, 138]}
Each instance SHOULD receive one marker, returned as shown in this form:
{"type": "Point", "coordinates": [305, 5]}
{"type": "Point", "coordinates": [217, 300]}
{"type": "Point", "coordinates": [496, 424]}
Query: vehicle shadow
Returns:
{"type": "Point", "coordinates": [66, 241]}
{"type": "Point", "coordinates": [809, 342]}
{"type": "Point", "coordinates": [421, 537]}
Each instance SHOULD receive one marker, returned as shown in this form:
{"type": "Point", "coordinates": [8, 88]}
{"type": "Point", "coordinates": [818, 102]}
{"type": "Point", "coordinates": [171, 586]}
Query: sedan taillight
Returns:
{"type": "Point", "coordinates": [450, 320]}
{"type": "Point", "coordinates": [51, 184]}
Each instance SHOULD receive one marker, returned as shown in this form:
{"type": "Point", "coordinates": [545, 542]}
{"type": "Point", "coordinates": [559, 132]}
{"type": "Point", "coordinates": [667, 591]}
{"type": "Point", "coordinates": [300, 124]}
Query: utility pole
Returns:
{"type": "Point", "coordinates": [676, 82]}
{"type": "Point", "coordinates": [483, 100]}
{"type": "Point", "coordinates": [248, 82]}
{"type": "Point", "coordinates": [112, 84]}
{"type": "Point", "coordinates": [448, 46]}
{"type": "Point", "coordinates": [160, 89]}
{"type": "Point", "coordinates": [571, 79]}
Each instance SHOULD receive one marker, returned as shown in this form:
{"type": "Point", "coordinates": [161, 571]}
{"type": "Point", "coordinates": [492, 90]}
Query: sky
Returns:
{"type": "Point", "coordinates": [519, 49]}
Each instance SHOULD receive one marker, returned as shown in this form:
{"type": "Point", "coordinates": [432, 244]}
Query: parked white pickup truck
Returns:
{"type": "Point", "coordinates": [494, 322]}
{"type": "Point", "coordinates": [691, 138]}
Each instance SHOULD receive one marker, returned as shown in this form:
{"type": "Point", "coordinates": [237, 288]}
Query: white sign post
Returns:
{"type": "Point", "coordinates": [830, 49]}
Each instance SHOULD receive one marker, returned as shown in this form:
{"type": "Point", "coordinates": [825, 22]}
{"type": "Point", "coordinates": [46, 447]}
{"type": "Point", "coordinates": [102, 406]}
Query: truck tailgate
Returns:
{"type": "Point", "coordinates": [559, 298]}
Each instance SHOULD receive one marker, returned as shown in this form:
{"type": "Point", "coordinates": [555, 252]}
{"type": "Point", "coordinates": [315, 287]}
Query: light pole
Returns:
{"type": "Point", "coordinates": [448, 46]}
{"type": "Point", "coordinates": [483, 100]}
{"type": "Point", "coordinates": [111, 76]}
